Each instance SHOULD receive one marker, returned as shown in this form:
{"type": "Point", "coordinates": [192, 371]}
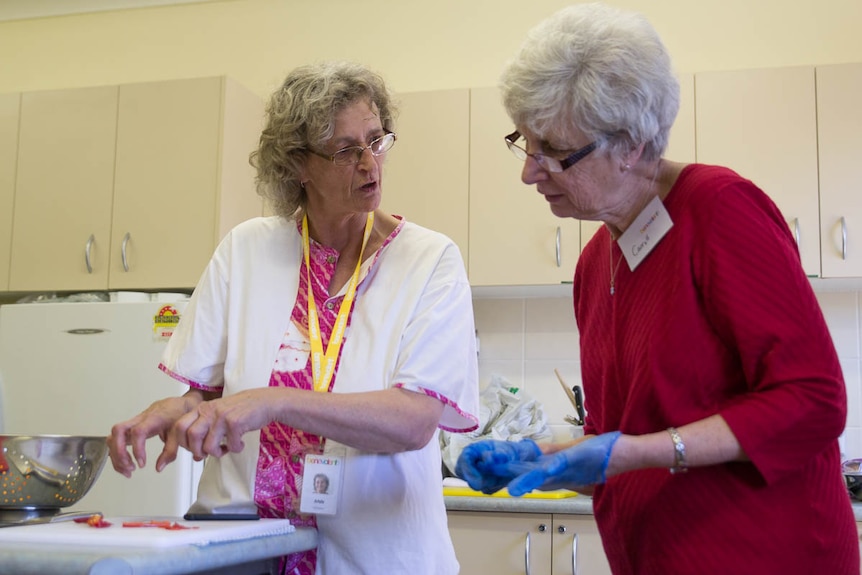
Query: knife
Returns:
{"type": "Point", "coordinates": [579, 403]}
{"type": "Point", "coordinates": [51, 518]}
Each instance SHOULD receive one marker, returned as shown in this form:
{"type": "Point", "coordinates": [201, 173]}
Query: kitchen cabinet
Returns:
{"type": "Point", "coordinates": [534, 543]}
{"type": "Point", "coordinates": [514, 238]}
{"type": "Point", "coordinates": [63, 191]}
{"type": "Point", "coordinates": [839, 123]}
{"type": "Point", "coordinates": [10, 106]}
{"type": "Point", "coordinates": [143, 178]}
{"type": "Point", "coordinates": [426, 174]}
{"type": "Point", "coordinates": [763, 125]}
{"type": "Point", "coordinates": [198, 134]}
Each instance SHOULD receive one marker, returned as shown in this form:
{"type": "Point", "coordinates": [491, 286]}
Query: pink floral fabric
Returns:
{"type": "Point", "coordinates": [278, 483]}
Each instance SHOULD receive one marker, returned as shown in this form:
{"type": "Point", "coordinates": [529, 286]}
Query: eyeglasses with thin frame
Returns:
{"type": "Point", "coordinates": [545, 161]}
{"type": "Point", "coordinates": [353, 154]}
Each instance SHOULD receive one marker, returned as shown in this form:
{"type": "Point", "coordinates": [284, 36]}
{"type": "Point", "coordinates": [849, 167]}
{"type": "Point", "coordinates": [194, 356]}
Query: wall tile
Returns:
{"type": "Point", "coordinates": [551, 331]}
{"type": "Point", "coordinates": [841, 310]}
{"type": "Point", "coordinates": [500, 326]}
{"type": "Point", "coordinates": [511, 370]}
{"type": "Point", "coordinates": [853, 383]}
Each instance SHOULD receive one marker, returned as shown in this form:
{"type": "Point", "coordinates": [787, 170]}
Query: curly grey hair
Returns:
{"type": "Point", "coordinates": [301, 115]}
{"type": "Point", "coordinates": [597, 68]}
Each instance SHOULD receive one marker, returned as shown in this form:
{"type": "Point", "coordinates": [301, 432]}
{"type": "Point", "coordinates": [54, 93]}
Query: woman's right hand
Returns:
{"type": "Point", "coordinates": [157, 419]}
{"type": "Point", "coordinates": [489, 465]}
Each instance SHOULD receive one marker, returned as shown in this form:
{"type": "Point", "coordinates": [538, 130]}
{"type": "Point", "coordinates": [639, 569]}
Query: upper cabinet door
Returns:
{"type": "Point", "coordinates": [762, 124]}
{"type": "Point", "coordinates": [839, 121]}
{"type": "Point", "coordinates": [426, 174]}
{"type": "Point", "coordinates": [10, 107]}
{"type": "Point", "coordinates": [168, 142]}
{"type": "Point", "coordinates": [514, 237]}
{"type": "Point", "coordinates": [65, 178]}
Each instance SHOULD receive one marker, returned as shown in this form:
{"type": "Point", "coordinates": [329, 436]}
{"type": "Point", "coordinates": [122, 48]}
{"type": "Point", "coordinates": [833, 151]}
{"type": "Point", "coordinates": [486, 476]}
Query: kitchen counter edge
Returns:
{"type": "Point", "coordinates": [578, 505]}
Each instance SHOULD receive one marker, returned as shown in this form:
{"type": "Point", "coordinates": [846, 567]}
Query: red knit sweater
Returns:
{"type": "Point", "coordinates": [719, 318]}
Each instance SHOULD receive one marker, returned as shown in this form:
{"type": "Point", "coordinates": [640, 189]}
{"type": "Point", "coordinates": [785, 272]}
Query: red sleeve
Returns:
{"type": "Point", "coordinates": [761, 304]}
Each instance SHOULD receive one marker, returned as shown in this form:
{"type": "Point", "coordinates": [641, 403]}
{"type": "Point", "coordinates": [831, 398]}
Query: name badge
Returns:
{"type": "Point", "coordinates": [645, 232]}
{"type": "Point", "coordinates": [321, 483]}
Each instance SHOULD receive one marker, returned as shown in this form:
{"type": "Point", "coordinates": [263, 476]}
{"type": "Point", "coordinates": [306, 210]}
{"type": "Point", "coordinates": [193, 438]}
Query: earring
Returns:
{"type": "Point", "coordinates": [302, 185]}
{"type": "Point", "coordinates": [627, 167]}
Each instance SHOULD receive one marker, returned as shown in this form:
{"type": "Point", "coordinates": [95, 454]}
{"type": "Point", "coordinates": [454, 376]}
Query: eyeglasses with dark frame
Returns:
{"type": "Point", "coordinates": [353, 154]}
{"type": "Point", "coordinates": [545, 161]}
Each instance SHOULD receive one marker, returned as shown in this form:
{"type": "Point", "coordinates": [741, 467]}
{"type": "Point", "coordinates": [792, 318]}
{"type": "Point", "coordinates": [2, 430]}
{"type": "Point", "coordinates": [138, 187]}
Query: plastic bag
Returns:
{"type": "Point", "coordinates": [505, 412]}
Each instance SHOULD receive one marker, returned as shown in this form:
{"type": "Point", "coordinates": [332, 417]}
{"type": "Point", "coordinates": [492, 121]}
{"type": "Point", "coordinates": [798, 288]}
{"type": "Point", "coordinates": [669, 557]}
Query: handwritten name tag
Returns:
{"type": "Point", "coordinates": [645, 232]}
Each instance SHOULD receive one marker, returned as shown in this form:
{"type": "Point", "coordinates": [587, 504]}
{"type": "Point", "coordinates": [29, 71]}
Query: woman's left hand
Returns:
{"type": "Point", "coordinates": [216, 427]}
{"type": "Point", "coordinates": [581, 465]}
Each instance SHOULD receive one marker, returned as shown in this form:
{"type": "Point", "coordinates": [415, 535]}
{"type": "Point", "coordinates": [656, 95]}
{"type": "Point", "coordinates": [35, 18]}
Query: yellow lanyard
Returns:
{"type": "Point", "coordinates": [321, 374]}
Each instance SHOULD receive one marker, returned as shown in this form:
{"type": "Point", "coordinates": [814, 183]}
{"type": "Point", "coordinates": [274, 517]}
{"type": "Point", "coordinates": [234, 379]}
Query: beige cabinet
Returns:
{"type": "Point", "coordinates": [426, 174]}
{"type": "Point", "coordinates": [182, 177]}
{"type": "Point", "coordinates": [839, 124]}
{"type": "Point", "coordinates": [533, 543]}
{"type": "Point", "coordinates": [130, 186]}
{"type": "Point", "coordinates": [514, 237]}
{"type": "Point", "coordinates": [10, 107]}
{"type": "Point", "coordinates": [763, 125]}
{"type": "Point", "coordinates": [64, 187]}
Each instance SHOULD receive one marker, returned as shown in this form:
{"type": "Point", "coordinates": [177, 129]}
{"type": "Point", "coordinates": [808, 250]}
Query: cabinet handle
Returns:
{"type": "Point", "coordinates": [126, 239]}
{"type": "Point", "coordinates": [796, 230]}
{"type": "Point", "coordinates": [575, 554]}
{"type": "Point", "coordinates": [843, 239]}
{"type": "Point", "coordinates": [559, 255]}
{"type": "Point", "coordinates": [527, 554]}
{"type": "Point", "coordinates": [89, 245]}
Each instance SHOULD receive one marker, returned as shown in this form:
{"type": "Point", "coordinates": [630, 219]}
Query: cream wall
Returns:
{"type": "Point", "coordinates": [417, 45]}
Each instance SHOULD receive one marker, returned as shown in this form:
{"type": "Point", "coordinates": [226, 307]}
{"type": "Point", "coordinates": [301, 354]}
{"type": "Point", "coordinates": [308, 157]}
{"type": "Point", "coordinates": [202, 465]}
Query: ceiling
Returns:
{"type": "Point", "coordinates": [24, 9]}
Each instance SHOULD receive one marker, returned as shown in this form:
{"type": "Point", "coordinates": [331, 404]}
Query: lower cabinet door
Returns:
{"type": "Point", "coordinates": [501, 543]}
{"type": "Point", "coordinates": [577, 546]}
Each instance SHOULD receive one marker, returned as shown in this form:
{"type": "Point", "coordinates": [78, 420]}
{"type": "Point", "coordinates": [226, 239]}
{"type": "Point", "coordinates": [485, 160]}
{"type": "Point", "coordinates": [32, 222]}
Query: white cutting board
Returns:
{"type": "Point", "coordinates": [81, 534]}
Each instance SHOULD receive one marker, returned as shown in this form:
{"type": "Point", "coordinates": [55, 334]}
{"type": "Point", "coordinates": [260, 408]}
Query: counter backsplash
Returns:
{"type": "Point", "coordinates": [525, 339]}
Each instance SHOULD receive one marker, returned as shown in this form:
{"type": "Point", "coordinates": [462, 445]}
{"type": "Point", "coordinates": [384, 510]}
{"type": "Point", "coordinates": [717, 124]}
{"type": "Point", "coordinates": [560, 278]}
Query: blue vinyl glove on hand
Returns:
{"type": "Point", "coordinates": [581, 464]}
{"type": "Point", "coordinates": [488, 465]}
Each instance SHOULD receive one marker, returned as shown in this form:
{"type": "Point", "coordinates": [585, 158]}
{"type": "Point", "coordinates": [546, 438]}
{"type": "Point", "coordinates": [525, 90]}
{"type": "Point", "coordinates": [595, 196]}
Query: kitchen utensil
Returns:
{"type": "Point", "coordinates": [852, 470]}
{"type": "Point", "coordinates": [569, 393]}
{"type": "Point", "coordinates": [579, 403]}
{"type": "Point", "coordinates": [574, 395]}
{"type": "Point", "coordinates": [8, 520]}
{"type": "Point", "coordinates": [39, 474]}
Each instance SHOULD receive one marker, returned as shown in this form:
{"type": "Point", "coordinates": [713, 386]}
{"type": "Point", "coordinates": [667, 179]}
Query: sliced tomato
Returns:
{"type": "Point", "coordinates": [95, 520]}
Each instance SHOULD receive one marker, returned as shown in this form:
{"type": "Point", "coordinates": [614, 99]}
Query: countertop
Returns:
{"type": "Point", "coordinates": [248, 556]}
{"type": "Point", "coordinates": [579, 505]}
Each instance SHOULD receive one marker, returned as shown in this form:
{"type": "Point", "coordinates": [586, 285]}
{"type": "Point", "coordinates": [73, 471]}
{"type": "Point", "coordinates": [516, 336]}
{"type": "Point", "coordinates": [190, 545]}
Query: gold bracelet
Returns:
{"type": "Point", "coordinates": [680, 465]}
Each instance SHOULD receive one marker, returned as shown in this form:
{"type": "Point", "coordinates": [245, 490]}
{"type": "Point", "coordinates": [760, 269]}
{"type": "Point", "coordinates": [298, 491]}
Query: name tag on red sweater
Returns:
{"type": "Point", "coordinates": [645, 232]}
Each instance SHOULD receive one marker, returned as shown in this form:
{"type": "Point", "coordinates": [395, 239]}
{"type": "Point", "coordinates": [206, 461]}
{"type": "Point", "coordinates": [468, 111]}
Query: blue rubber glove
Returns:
{"type": "Point", "coordinates": [490, 464]}
{"type": "Point", "coordinates": [582, 464]}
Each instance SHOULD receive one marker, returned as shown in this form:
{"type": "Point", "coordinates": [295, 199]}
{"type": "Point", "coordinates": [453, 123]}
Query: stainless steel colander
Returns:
{"type": "Point", "coordinates": [48, 471]}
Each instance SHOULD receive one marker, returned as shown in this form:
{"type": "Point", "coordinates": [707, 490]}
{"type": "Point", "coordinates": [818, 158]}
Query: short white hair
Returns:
{"type": "Point", "coordinates": [602, 70]}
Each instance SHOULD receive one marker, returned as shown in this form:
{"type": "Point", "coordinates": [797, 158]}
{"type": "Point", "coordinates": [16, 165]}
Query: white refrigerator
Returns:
{"type": "Point", "coordinates": [78, 368]}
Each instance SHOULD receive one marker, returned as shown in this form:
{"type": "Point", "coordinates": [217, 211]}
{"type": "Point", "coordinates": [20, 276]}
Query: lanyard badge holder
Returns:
{"type": "Point", "coordinates": [322, 473]}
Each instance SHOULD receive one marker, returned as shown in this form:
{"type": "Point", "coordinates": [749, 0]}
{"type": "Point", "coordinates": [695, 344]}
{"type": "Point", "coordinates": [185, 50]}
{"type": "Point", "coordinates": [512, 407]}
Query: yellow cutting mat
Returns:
{"type": "Point", "coordinates": [467, 492]}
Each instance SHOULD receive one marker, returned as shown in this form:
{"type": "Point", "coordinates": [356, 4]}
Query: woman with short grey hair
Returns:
{"type": "Point", "coordinates": [713, 390]}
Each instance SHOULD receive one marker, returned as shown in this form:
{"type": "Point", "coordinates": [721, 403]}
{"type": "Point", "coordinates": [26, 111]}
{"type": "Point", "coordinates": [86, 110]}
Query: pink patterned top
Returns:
{"type": "Point", "coordinates": [278, 483]}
